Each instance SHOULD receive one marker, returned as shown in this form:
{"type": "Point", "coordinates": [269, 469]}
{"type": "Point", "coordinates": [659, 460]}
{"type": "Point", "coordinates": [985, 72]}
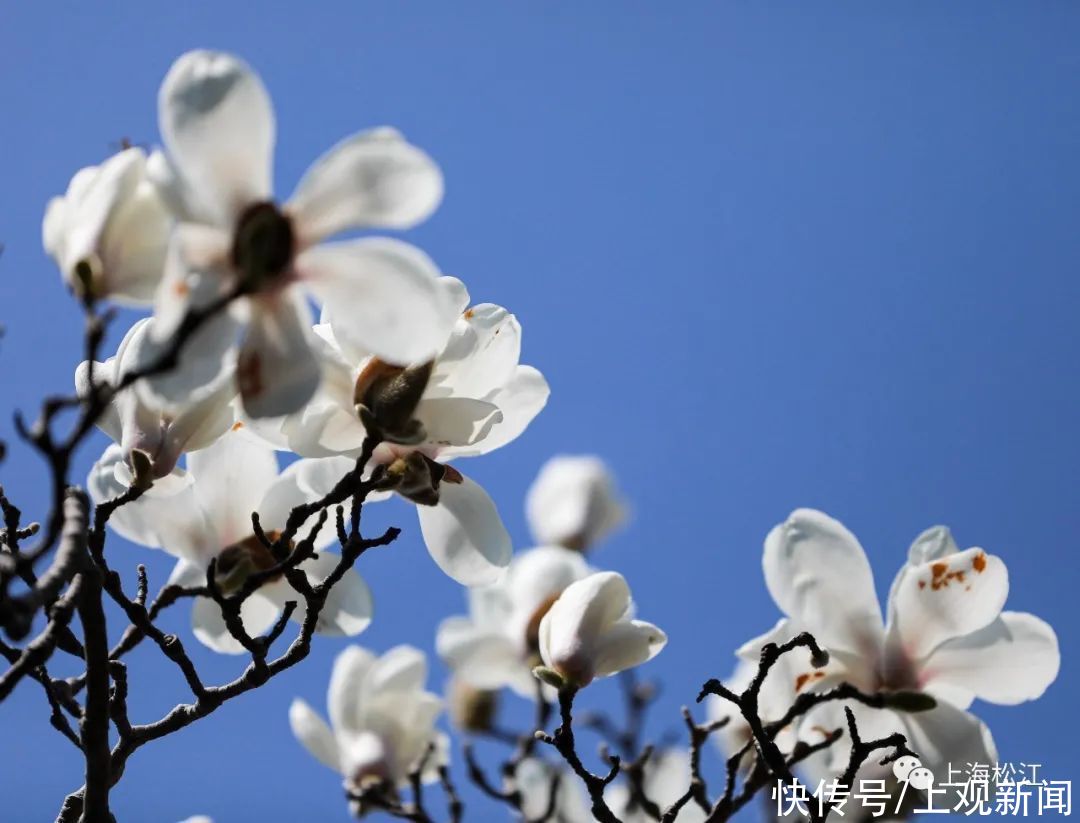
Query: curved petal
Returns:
{"type": "Point", "coordinates": [401, 669]}
{"type": "Point", "coordinates": [217, 124]}
{"type": "Point", "coordinates": [948, 735]}
{"type": "Point", "coordinates": [465, 535]}
{"type": "Point", "coordinates": [383, 295]}
{"type": "Point", "coordinates": [204, 356]}
{"type": "Point", "coordinates": [134, 245]}
{"type": "Point", "coordinates": [203, 422]}
{"type": "Point", "coordinates": [456, 421]}
{"type": "Point", "coordinates": [277, 371]}
{"type": "Point", "coordinates": [818, 574]}
{"type": "Point", "coordinates": [172, 521]}
{"type": "Point", "coordinates": [312, 731]}
{"type": "Point", "coordinates": [945, 599]}
{"type": "Point", "coordinates": [257, 613]}
{"type": "Point", "coordinates": [231, 478]}
{"type": "Point", "coordinates": [1013, 659]}
{"type": "Point", "coordinates": [348, 687]}
{"type": "Point", "coordinates": [627, 644]}
{"type": "Point", "coordinates": [481, 355]}
{"type": "Point", "coordinates": [349, 606]}
{"type": "Point", "coordinates": [484, 658]}
{"type": "Point", "coordinates": [374, 179]}
{"type": "Point", "coordinates": [520, 401]}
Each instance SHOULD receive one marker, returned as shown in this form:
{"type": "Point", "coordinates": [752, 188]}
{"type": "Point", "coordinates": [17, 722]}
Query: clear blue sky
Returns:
{"type": "Point", "coordinates": [767, 257]}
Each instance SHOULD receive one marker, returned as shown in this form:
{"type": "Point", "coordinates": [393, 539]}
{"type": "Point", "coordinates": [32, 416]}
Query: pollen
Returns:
{"type": "Point", "coordinates": [808, 677]}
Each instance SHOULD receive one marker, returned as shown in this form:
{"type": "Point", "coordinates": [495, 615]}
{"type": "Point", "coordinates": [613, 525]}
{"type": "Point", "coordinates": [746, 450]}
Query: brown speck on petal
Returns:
{"type": "Point", "coordinates": [469, 313]}
{"type": "Point", "coordinates": [239, 424]}
{"type": "Point", "coordinates": [979, 563]}
{"type": "Point", "coordinates": [249, 375]}
{"type": "Point", "coordinates": [922, 584]}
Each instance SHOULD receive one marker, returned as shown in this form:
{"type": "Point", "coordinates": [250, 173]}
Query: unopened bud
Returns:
{"type": "Point", "coordinates": [549, 676]}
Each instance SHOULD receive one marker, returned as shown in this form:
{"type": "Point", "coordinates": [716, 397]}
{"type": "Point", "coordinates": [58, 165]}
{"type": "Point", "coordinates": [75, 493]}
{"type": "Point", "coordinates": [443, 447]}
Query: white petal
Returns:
{"type": "Point", "coordinates": [481, 355]}
{"type": "Point", "coordinates": [372, 179]}
{"type": "Point", "coordinates": [948, 598]}
{"type": "Point", "coordinates": [277, 371]}
{"type": "Point", "coordinates": [817, 573]}
{"type": "Point", "coordinates": [218, 126]}
{"type": "Point", "coordinates": [312, 731]}
{"type": "Point", "coordinates": [173, 521]}
{"type": "Point", "coordinates": [465, 534]}
{"type": "Point", "coordinates": [484, 658]}
{"type": "Point", "coordinates": [1013, 659]}
{"type": "Point", "coordinates": [384, 296]}
{"type": "Point", "coordinates": [573, 500]}
{"type": "Point", "coordinates": [203, 422]}
{"type": "Point", "coordinates": [348, 608]}
{"type": "Point", "coordinates": [456, 421]}
{"type": "Point", "coordinates": [348, 688]}
{"type": "Point", "coordinates": [401, 669]}
{"type": "Point", "coordinates": [627, 644]}
{"type": "Point", "coordinates": [133, 246]}
{"type": "Point", "coordinates": [206, 354]}
{"type": "Point", "coordinates": [257, 613]}
{"type": "Point", "coordinates": [520, 401]}
{"type": "Point", "coordinates": [542, 573]}
{"type": "Point", "coordinates": [231, 478]}
{"type": "Point", "coordinates": [947, 735]}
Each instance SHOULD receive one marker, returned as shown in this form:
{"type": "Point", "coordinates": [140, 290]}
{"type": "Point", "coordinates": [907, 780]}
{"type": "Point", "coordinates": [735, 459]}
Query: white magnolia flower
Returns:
{"type": "Point", "coordinates": [217, 124]}
{"type": "Point", "coordinates": [382, 721]}
{"type": "Point", "coordinates": [473, 398]}
{"type": "Point", "coordinates": [667, 777]}
{"type": "Point", "coordinates": [588, 632]}
{"type": "Point", "coordinates": [158, 434]}
{"type": "Point", "coordinates": [109, 231]}
{"type": "Point", "coordinates": [534, 780]}
{"type": "Point", "coordinates": [210, 517]}
{"type": "Point", "coordinates": [497, 645]}
{"type": "Point", "coordinates": [573, 502]}
{"type": "Point", "coordinates": [946, 634]}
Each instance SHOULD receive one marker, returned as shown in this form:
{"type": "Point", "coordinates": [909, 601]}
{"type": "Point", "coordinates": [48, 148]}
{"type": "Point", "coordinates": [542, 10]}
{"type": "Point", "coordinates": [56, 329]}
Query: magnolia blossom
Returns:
{"type": "Point", "coordinates": [945, 634]}
{"type": "Point", "coordinates": [589, 632]}
{"type": "Point", "coordinates": [108, 233]}
{"type": "Point", "coordinates": [473, 398]}
{"type": "Point", "coordinates": [150, 435]}
{"type": "Point", "coordinates": [381, 719]}
{"type": "Point", "coordinates": [217, 125]}
{"type": "Point", "coordinates": [666, 779]}
{"type": "Point", "coordinates": [573, 502]}
{"type": "Point", "coordinates": [498, 644]}
{"type": "Point", "coordinates": [208, 517]}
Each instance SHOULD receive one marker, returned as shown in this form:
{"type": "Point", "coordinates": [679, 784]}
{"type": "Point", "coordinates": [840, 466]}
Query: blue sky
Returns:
{"type": "Point", "coordinates": [767, 257]}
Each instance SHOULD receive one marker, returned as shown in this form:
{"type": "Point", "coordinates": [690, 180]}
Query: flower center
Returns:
{"type": "Point", "coordinates": [263, 245]}
{"type": "Point", "coordinates": [532, 628]}
{"type": "Point", "coordinates": [236, 563]}
{"type": "Point", "coordinates": [386, 397]}
{"type": "Point", "coordinates": [418, 478]}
